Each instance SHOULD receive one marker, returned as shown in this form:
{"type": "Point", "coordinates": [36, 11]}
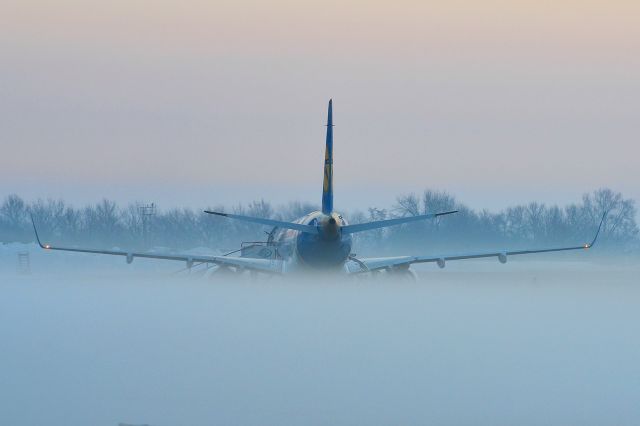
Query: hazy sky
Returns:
{"type": "Point", "coordinates": [193, 102]}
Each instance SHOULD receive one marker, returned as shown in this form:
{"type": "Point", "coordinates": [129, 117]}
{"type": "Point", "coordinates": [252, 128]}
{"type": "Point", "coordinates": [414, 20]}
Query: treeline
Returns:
{"type": "Point", "coordinates": [531, 225]}
{"type": "Point", "coordinates": [106, 224]}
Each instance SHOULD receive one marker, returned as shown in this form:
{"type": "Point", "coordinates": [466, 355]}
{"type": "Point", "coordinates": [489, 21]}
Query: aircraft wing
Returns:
{"type": "Point", "coordinates": [261, 265]}
{"type": "Point", "coordinates": [380, 263]}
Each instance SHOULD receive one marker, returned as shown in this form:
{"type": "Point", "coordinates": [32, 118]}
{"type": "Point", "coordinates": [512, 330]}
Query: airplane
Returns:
{"type": "Point", "coordinates": [319, 241]}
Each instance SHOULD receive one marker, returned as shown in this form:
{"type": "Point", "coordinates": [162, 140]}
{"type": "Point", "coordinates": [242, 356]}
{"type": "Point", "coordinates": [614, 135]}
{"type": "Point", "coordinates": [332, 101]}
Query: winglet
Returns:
{"type": "Point", "coordinates": [588, 246]}
{"type": "Point", "coordinates": [38, 237]}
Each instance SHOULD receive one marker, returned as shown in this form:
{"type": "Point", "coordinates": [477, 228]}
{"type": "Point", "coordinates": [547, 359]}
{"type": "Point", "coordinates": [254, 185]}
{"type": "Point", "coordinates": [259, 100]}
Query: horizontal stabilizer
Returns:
{"type": "Point", "coordinates": [350, 229]}
{"type": "Point", "coordinates": [309, 229]}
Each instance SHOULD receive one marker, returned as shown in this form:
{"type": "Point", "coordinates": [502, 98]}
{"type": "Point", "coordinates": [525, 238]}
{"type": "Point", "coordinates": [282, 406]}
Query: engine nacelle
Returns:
{"type": "Point", "coordinates": [502, 257]}
{"type": "Point", "coordinates": [441, 263]}
{"type": "Point", "coordinates": [129, 258]}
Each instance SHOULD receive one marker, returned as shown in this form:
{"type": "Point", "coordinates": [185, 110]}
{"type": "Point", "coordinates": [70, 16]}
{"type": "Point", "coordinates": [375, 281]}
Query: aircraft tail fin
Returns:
{"type": "Point", "coordinates": [327, 187]}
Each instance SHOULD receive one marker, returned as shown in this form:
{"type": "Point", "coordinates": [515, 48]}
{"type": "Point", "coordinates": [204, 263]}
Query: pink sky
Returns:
{"type": "Point", "coordinates": [498, 101]}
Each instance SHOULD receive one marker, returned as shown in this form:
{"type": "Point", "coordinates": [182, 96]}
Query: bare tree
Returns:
{"type": "Point", "coordinates": [437, 201]}
{"type": "Point", "coordinates": [13, 211]}
{"type": "Point", "coordinates": [534, 215]}
{"type": "Point", "coordinates": [13, 219]}
{"type": "Point", "coordinates": [407, 205]}
{"type": "Point", "coordinates": [620, 225]}
{"type": "Point", "coordinates": [102, 222]}
{"type": "Point", "coordinates": [49, 215]}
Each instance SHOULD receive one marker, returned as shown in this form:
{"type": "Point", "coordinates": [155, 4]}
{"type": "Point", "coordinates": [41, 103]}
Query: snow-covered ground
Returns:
{"type": "Point", "coordinates": [90, 340]}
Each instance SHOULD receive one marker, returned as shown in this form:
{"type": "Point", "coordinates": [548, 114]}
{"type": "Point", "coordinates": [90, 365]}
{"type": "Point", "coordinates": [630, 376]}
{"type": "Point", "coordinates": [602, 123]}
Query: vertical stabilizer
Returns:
{"type": "Point", "coordinates": [327, 187]}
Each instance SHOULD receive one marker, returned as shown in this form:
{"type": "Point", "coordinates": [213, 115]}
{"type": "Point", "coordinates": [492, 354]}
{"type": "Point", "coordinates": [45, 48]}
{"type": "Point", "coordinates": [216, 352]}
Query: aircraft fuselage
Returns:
{"type": "Point", "coordinates": [330, 248]}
